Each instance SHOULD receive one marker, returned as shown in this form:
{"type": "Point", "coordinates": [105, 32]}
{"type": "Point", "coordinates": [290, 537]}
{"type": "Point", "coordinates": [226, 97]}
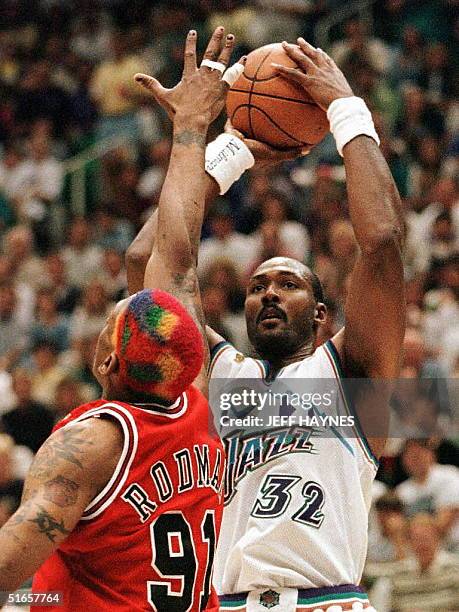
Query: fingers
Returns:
{"type": "Point", "coordinates": [292, 74]}
{"type": "Point", "coordinates": [314, 53]}
{"type": "Point", "coordinates": [232, 74]}
{"type": "Point", "coordinates": [189, 61]}
{"type": "Point", "coordinates": [227, 50]}
{"type": "Point", "coordinates": [307, 49]}
{"type": "Point", "coordinates": [151, 84]}
{"type": "Point", "coordinates": [229, 129]}
{"type": "Point", "coordinates": [302, 60]}
{"type": "Point", "coordinates": [215, 44]}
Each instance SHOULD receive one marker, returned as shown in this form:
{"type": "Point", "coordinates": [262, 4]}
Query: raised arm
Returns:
{"type": "Point", "coordinates": [370, 344]}
{"type": "Point", "coordinates": [69, 470]}
{"type": "Point", "coordinates": [194, 103]}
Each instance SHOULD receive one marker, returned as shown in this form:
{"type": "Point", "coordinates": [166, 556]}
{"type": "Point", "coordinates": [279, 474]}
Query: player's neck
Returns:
{"type": "Point", "coordinates": [305, 350]}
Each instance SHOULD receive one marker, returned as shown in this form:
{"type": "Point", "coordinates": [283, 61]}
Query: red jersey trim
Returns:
{"type": "Point", "coordinates": [121, 472]}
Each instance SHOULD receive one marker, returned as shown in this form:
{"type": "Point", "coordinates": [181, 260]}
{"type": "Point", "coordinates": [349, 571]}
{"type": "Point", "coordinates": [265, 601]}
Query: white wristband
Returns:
{"type": "Point", "coordinates": [349, 118]}
{"type": "Point", "coordinates": [227, 158]}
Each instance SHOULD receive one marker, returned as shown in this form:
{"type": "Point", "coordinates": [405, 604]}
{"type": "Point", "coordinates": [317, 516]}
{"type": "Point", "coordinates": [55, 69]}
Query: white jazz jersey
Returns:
{"type": "Point", "coordinates": [297, 499]}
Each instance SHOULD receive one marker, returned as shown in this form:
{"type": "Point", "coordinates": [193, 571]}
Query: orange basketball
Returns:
{"type": "Point", "coordinates": [265, 106]}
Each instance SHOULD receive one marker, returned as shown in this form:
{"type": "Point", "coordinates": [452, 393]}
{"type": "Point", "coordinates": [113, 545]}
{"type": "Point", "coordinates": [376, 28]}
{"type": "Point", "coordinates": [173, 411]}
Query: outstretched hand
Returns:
{"type": "Point", "coordinates": [201, 91]}
{"type": "Point", "coordinates": [264, 154]}
{"type": "Point", "coordinates": [317, 73]}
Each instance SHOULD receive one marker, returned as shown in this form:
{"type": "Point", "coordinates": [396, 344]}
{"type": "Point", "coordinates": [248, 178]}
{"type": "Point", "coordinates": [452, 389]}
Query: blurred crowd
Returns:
{"type": "Point", "coordinates": [66, 84]}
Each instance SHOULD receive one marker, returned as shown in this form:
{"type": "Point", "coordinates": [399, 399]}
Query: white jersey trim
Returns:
{"type": "Point", "coordinates": [120, 474]}
{"type": "Point", "coordinates": [176, 410]}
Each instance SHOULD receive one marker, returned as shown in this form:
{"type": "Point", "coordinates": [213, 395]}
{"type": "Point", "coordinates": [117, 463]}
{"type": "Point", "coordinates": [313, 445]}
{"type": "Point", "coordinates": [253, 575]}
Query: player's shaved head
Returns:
{"type": "Point", "coordinates": [284, 306]}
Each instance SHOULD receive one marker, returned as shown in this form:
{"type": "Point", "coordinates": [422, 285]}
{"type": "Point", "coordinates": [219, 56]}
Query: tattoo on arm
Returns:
{"type": "Point", "coordinates": [61, 491]}
{"type": "Point", "coordinates": [186, 289]}
{"type": "Point", "coordinates": [188, 137]}
{"type": "Point", "coordinates": [48, 525]}
{"type": "Point", "coordinates": [69, 444]}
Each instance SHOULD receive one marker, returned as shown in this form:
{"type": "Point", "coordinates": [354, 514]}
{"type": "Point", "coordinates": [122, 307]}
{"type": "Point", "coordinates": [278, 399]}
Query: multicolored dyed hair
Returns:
{"type": "Point", "coordinates": [158, 345]}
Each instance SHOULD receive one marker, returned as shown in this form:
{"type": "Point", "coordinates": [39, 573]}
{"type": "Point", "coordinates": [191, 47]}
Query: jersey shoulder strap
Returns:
{"type": "Point", "coordinates": [227, 362]}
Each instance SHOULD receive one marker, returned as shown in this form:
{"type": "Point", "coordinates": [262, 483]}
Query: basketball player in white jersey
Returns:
{"type": "Point", "coordinates": [294, 531]}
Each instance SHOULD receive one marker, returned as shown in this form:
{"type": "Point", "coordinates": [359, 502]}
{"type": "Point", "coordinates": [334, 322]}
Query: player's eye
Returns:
{"type": "Point", "coordinates": [290, 285]}
{"type": "Point", "coordinates": [257, 288]}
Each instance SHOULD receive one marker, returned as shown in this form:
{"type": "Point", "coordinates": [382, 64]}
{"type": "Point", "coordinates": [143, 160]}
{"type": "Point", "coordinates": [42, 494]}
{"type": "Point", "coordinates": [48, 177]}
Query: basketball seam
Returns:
{"type": "Point", "coordinates": [270, 95]}
{"type": "Point", "coordinates": [260, 110]}
{"type": "Point", "coordinates": [251, 91]}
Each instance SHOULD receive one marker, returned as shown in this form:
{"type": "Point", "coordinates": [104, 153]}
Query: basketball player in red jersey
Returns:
{"type": "Point", "coordinates": [122, 505]}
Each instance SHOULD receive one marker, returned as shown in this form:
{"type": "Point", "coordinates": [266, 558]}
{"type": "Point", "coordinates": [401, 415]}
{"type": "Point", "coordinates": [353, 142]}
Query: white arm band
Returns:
{"type": "Point", "coordinates": [227, 158]}
{"type": "Point", "coordinates": [349, 118]}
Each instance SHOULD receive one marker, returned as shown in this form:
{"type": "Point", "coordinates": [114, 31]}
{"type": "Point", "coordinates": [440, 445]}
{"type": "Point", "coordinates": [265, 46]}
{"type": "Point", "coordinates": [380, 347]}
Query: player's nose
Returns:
{"type": "Point", "coordinates": [270, 295]}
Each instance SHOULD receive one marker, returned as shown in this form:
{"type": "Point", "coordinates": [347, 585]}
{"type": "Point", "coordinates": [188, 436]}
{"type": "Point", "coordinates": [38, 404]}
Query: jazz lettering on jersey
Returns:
{"type": "Point", "coordinates": [247, 453]}
{"type": "Point", "coordinates": [190, 469]}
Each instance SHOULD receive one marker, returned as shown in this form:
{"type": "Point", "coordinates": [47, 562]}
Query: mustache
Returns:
{"type": "Point", "coordinates": [272, 307]}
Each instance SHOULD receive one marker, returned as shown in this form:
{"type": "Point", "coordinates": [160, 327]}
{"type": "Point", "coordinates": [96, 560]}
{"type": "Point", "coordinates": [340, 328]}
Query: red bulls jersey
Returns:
{"type": "Point", "coordinates": [147, 540]}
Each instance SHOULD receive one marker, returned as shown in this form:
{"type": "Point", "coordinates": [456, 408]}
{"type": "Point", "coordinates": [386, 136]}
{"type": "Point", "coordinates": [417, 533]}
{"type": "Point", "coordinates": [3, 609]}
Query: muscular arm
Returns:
{"type": "Point", "coordinates": [69, 470]}
{"type": "Point", "coordinates": [375, 304]}
{"type": "Point", "coordinates": [172, 264]}
{"type": "Point", "coordinates": [370, 344]}
{"type": "Point", "coordinates": [139, 252]}
{"type": "Point", "coordinates": [193, 104]}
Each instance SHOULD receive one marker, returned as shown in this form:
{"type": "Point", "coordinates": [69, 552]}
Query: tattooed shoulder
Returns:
{"type": "Point", "coordinates": [68, 444]}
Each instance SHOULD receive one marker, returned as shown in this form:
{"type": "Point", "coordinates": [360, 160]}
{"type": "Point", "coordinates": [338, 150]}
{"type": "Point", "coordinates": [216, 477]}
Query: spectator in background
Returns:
{"type": "Point", "coordinates": [46, 372]}
{"type": "Point", "coordinates": [68, 396]}
{"type": "Point", "coordinates": [425, 581]}
{"type": "Point", "coordinates": [90, 317]}
{"type": "Point", "coordinates": [390, 542]}
{"type": "Point", "coordinates": [357, 43]}
{"type": "Point", "coordinates": [13, 339]}
{"type": "Point", "coordinates": [114, 91]}
{"type": "Point", "coordinates": [39, 98]}
{"type": "Point", "coordinates": [112, 232]}
{"type": "Point", "coordinates": [90, 38]}
{"type": "Point", "coordinates": [436, 77]}
{"type": "Point", "coordinates": [11, 172]}
{"type": "Point", "coordinates": [55, 281]}
{"type": "Point", "coordinates": [223, 273]}
{"type": "Point", "coordinates": [29, 422]}
{"type": "Point", "coordinates": [49, 325]}
{"type": "Point", "coordinates": [10, 486]}
{"type": "Point", "coordinates": [408, 60]}
{"type": "Point", "coordinates": [81, 365]}
{"type": "Point", "coordinates": [215, 302]}
{"type": "Point", "coordinates": [417, 118]}
{"type": "Point", "coordinates": [82, 258]}
{"type": "Point", "coordinates": [26, 266]}
{"type": "Point", "coordinates": [225, 242]}
{"type": "Point", "coordinates": [113, 275]}
{"type": "Point", "coordinates": [151, 180]}
{"type": "Point", "coordinates": [431, 488]}
{"type": "Point", "coordinates": [83, 112]}
{"type": "Point", "coordinates": [293, 236]}
{"type": "Point", "coordinates": [367, 83]}
{"type": "Point", "coordinates": [24, 293]}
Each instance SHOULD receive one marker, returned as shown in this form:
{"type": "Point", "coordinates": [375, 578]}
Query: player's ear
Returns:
{"type": "Point", "coordinates": [320, 313]}
{"type": "Point", "coordinates": [110, 365]}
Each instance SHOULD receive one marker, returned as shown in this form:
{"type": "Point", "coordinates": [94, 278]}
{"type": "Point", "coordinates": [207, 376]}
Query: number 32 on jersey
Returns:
{"type": "Point", "coordinates": [275, 497]}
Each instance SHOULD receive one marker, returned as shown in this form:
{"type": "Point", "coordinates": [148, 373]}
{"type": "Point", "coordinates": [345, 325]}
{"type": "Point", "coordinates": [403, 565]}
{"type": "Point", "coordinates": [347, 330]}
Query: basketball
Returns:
{"type": "Point", "coordinates": [265, 106]}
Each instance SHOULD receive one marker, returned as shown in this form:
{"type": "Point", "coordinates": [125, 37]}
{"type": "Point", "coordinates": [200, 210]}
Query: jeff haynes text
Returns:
{"type": "Point", "coordinates": [288, 421]}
